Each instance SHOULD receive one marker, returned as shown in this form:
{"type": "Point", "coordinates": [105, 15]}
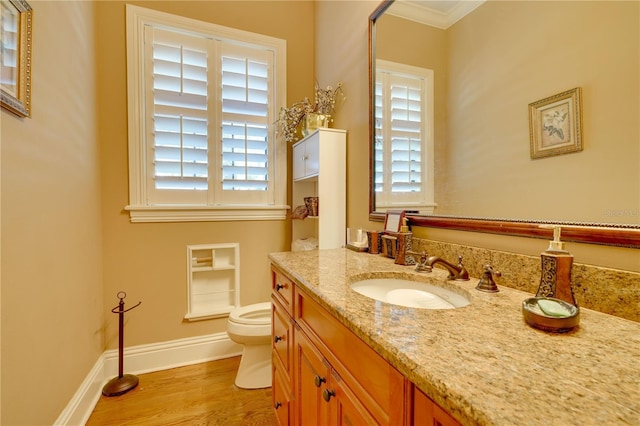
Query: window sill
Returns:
{"type": "Point", "coordinates": [201, 316]}
{"type": "Point", "coordinates": [427, 209]}
{"type": "Point", "coordinates": [205, 213]}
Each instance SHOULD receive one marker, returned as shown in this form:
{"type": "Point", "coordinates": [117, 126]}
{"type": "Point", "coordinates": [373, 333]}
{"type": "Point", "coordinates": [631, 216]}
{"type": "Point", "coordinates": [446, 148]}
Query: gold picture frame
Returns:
{"type": "Point", "coordinates": [15, 63]}
{"type": "Point", "coordinates": [555, 124]}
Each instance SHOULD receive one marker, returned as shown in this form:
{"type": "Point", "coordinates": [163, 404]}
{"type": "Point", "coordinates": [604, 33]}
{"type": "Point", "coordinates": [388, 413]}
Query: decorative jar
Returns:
{"type": "Point", "coordinates": [313, 121]}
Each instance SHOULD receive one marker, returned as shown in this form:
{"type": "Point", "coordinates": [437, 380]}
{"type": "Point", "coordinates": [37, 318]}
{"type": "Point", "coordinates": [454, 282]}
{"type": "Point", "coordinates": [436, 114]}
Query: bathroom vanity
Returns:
{"type": "Point", "coordinates": [340, 356]}
{"type": "Point", "coordinates": [324, 374]}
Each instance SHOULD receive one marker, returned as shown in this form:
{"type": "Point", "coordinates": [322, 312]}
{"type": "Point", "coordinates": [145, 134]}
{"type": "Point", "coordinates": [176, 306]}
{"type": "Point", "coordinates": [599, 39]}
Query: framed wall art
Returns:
{"type": "Point", "coordinates": [555, 124]}
{"type": "Point", "coordinates": [16, 27]}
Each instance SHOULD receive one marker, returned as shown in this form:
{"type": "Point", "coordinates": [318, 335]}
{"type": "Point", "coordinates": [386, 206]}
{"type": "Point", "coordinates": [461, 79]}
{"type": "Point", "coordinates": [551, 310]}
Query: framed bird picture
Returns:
{"type": "Point", "coordinates": [555, 124]}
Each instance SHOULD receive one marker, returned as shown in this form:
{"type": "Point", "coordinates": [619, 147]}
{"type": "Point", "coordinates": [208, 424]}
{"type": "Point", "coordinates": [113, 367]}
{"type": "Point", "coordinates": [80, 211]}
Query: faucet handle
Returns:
{"type": "Point", "coordinates": [421, 265]}
{"type": "Point", "coordinates": [463, 274]}
{"type": "Point", "coordinates": [487, 283]}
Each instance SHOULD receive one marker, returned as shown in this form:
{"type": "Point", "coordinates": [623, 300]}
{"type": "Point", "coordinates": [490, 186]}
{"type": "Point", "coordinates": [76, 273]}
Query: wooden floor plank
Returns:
{"type": "Point", "coordinates": [200, 394]}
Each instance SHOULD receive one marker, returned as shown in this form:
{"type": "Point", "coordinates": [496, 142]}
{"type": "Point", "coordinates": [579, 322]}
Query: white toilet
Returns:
{"type": "Point", "coordinates": [250, 326]}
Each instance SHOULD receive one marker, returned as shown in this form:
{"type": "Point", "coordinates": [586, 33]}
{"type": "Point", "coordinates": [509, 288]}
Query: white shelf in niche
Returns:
{"type": "Point", "coordinates": [213, 276]}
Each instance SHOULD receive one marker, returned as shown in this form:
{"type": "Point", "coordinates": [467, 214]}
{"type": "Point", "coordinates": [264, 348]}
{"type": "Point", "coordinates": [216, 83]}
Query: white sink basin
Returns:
{"type": "Point", "coordinates": [411, 294]}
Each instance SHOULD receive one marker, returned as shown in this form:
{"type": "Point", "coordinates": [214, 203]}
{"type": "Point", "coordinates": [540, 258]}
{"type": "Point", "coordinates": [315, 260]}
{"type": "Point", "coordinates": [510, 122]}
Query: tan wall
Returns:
{"type": "Point", "coordinates": [148, 261]}
{"type": "Point", "coordinates": [52, 304]}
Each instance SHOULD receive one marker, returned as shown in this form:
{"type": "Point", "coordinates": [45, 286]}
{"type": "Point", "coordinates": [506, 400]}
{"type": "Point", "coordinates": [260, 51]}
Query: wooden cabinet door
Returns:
{"type": "Point", "coordinates": [312, 373]}
{"type": "Point", "coordinates": [322, 398]}
{"type": "Point", "coordinates": [428, 413]}
{"type": "Point", "coordinates": [345, 408]}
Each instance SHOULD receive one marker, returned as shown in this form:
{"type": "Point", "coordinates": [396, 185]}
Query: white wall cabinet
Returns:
{"type": "Point", "coordinates": [319, 170]}
{"type": "Point", "coordinates": [213, 277]}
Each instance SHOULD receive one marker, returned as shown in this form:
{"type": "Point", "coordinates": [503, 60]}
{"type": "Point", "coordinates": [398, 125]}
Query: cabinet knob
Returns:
{"type": "Point", "coordinates": [319, 380]}
{"type": "Point", "coordinates": [277, 339]}
{"type": "Point", "coordinates": [280, 286]}
{"type": "Point", "coordinates": [327, 394]}
{"type": "Point", "coordinates": [277, 405]}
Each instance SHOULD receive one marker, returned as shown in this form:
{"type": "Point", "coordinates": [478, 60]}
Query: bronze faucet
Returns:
{"type": "Point", "coordinates": [456, 272]}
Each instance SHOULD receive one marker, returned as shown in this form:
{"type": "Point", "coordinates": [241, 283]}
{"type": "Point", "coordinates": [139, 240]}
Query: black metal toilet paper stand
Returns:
{"type": "Point", "coordinates": [124, 382]}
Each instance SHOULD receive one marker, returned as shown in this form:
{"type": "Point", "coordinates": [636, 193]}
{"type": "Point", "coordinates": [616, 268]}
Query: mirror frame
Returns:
{"type": "Point", "coordinates": [623, 235]}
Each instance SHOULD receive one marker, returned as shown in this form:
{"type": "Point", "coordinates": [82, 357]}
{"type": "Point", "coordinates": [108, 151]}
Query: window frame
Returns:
{"type": "Point", "coordinates": [426, 203]}
{"type": "Point", "coordinates": [140, 210]}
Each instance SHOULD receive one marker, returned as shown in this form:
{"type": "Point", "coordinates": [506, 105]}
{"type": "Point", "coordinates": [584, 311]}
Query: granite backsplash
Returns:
{"type": "Point", "coordinates": [612, 291]}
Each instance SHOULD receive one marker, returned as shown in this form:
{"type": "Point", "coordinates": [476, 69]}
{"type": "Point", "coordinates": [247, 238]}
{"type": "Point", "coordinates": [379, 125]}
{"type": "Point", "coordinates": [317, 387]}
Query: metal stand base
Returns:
{"type": "Point", "coordinates": [119, 385]}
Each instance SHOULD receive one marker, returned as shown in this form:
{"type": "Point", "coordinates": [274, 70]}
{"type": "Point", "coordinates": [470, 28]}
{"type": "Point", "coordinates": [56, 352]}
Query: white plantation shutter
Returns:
{"type": "Point", "coordinates": [246, 116]}
{"type": "Point", "coordinates": [178, 117]}
{"type": "Point", "coordinates": [403, 136]}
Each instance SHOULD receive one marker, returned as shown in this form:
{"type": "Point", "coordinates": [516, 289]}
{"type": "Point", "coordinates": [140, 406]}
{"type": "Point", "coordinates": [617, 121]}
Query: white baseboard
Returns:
{"type": "Point", "coordinates": [143, 359]}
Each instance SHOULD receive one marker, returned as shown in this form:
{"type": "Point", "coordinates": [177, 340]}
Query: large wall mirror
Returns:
{"type": "Point", "coordinates": [489, 61]}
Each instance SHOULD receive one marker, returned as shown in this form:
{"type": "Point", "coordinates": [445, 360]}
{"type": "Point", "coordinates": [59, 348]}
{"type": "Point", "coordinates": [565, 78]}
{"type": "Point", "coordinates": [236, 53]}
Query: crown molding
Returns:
{"type": "Point", "coordinates": [420, 11]}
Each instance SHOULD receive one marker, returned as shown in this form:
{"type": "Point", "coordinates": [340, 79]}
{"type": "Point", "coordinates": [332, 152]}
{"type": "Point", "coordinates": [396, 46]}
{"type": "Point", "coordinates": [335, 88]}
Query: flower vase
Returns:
{"type": "Point", "coordinates": [313, 121]}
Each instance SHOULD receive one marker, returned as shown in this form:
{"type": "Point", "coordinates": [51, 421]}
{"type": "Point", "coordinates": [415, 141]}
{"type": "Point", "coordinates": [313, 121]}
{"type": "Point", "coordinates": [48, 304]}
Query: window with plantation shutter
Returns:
{"type": "Point", "coordinates": [203, 100]}
{"type": "Point", "coordinates": [403, 143]}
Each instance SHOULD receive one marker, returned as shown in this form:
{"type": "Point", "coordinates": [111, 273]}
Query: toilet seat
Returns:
{"type": "Point", "coordinates": [256, 314]}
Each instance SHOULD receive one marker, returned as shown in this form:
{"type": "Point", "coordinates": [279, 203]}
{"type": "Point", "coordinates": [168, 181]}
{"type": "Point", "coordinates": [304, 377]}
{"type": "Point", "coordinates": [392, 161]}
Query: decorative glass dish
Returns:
{"type": "Point", "coordinates": [550, 314]}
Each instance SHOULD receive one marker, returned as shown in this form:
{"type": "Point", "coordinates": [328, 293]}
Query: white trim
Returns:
{"type": "Point", "coordinates": [144, 359]}
{"type": "Point", "coordinates": [83, 402]}
{"type": "Point", "coordinates": [203, 213]}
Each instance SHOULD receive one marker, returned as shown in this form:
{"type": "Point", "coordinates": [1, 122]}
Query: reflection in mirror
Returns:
{"type": "Point", "coordinates": [15, 57]}
{"type": "Point", "coordinates": [403, 142]}
{"type": "Point", "coordinates": [488, 66]}
{"type": "Point", "coordinates": [9, 28]}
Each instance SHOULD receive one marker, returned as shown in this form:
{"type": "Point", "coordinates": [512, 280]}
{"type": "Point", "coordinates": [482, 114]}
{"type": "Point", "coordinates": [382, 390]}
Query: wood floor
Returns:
{"type": "Point", "coordinates": [200, 394]}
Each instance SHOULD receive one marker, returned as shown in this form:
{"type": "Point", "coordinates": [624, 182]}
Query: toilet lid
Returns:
{"type": "Point", "coordinates": [256, 314]}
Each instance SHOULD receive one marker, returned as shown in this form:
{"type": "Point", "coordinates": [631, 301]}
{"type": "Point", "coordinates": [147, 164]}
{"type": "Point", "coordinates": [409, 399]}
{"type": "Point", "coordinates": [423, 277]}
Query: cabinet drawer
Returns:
{"type": "Point", "coordinates": [282, 335]}
{"type": "Point", "coordinates": [282, 289]}
{"type": "Point", "coordinates": [374, 381]}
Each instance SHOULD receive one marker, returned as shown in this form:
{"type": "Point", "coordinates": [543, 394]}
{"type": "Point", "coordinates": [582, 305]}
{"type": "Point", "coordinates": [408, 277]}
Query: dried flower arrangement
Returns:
{"type": "Point", "coordinates": [290, 118]}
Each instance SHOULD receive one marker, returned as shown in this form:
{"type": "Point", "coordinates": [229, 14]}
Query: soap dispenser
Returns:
{"type": "Point", "coordinates": [404, 245]}
{"type": "Point", "coordinates": [555, 277]}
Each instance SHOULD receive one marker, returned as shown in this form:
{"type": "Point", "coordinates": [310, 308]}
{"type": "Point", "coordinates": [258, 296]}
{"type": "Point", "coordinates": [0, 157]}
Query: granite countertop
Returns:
{"type": "Point", "coordinates": [483, 363]}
